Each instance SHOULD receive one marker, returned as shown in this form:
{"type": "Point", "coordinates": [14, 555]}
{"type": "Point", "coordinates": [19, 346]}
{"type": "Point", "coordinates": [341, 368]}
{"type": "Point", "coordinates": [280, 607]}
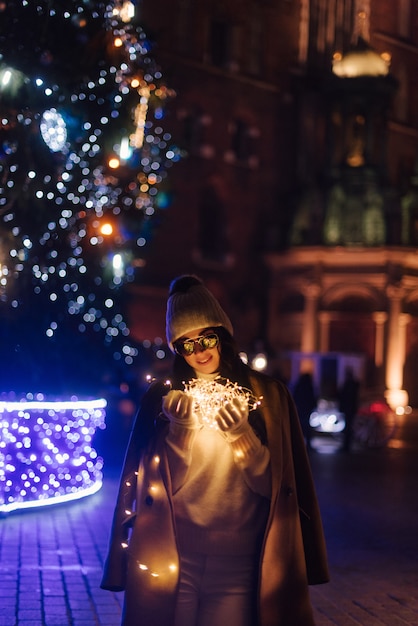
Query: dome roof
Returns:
{"type": "Point", "coordinates": [360, 61]}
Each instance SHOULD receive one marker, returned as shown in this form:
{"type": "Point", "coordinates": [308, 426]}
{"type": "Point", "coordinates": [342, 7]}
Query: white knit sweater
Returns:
{"type": "Point", "coordinates": [221, 488]}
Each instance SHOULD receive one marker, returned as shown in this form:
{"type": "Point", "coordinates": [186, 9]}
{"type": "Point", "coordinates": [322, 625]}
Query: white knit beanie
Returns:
{"type": "Point", "coordinates": [190, 306]}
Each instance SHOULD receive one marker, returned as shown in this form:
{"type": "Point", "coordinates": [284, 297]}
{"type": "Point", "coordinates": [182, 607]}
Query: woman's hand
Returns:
{"type": "Point", "coordinates": [232, 418]}
{"type": "Point", "coordinates": [178, 407]}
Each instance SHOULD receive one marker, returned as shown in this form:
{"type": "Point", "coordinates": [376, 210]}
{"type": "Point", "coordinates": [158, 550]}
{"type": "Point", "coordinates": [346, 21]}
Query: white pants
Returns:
{"type": "Point", "coordinates": [216, 590]}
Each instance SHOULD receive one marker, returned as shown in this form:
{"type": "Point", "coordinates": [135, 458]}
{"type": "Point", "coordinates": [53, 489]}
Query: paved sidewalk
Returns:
{"type": "Point", "coordinates": [51, 559]}
{"type": "Point", "coordinates": [51, 562]}
{"type": "Point", "coordinates": [370, 516]}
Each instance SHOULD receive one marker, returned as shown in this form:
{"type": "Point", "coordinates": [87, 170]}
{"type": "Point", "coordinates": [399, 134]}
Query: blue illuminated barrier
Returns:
{"type": "Point", "coordinates": [46, 453]}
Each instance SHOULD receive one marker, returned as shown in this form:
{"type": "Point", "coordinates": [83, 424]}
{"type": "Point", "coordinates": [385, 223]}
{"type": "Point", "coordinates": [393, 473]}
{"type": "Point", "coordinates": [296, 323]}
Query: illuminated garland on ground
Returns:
{"type": "Point", "coordinates": [211, 395]}
{"type": "Point", "coordinates": [46, 453]}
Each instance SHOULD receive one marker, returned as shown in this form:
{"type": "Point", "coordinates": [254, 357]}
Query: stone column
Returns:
{"type": "Point", "coordinates": [404, 320]}
{"type": "Point", "coordinates": [396, 346]}
{"type": "Point", "coordinates": [311, 292]}
{"type": "Point", "coordinates": [379, 319]}
{"type": "Point", "coordinates": [324, 321]}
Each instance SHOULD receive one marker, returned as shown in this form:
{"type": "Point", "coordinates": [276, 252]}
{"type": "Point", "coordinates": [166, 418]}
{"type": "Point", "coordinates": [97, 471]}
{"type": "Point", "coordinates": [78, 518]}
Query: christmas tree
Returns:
{"type": "Point", "coordinates": [83, 163]}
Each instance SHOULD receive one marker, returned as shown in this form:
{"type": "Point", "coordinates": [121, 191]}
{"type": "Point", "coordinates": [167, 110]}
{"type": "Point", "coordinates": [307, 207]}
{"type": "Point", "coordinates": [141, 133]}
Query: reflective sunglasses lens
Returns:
{"type": "Point", "coordinates": [209, 341]}
{"type": "Point", "coordinates": [184, 348]}
{"type": "Point", "coordinates": [187, 348]}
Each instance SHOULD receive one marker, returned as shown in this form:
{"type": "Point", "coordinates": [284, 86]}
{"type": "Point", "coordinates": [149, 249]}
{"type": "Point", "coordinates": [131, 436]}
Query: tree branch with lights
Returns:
{"type": "Point", "coordinates": [83, 175]}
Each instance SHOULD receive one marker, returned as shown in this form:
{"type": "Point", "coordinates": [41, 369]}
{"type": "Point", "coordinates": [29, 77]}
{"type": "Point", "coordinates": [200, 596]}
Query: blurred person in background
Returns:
{"type": "Point", "coordinates": [305, 399]}
{"type": "Point", "coordinates": [348, 399]}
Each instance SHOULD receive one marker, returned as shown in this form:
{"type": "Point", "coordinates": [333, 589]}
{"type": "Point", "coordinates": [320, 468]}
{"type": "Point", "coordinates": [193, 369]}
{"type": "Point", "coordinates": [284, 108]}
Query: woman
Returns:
{"type": "Point", "coordinates": [216, 520]}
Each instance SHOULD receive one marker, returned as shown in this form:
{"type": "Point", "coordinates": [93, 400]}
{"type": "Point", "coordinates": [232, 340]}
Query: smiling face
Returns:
{"type": "Point", "coordinates": [203, 361]}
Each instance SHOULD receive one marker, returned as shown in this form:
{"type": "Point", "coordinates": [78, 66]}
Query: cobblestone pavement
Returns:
{"type": "Point", "coordinates": [370, 514]}
{"type": "Point", "coordinates": [51, 559]}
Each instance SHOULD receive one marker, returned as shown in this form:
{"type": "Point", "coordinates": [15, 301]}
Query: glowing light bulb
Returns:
{"type": "Point", "coordinates": [6, 78]}
{"type": "Point", "coordinates": [113, 163]}
{"type": "Point", "coordinates": [125, 150]}
{"type": "Point", "coordinates": [106, 229]}
{"type": "Point", "coordinates": [259, 362]}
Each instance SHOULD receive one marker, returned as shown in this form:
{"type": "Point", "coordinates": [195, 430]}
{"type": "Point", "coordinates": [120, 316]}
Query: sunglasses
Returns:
{"type": "Point", "coordinates": [185, 347]}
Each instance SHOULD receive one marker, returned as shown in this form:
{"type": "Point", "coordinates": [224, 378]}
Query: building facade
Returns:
{"type": "Point", "coordinates": [296, 199]}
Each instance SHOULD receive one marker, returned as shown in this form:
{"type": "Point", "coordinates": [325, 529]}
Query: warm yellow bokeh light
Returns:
{"type": "Point", "coordinates": [114, 163]}
{"type": "Point", "coordinates": [106, 229]}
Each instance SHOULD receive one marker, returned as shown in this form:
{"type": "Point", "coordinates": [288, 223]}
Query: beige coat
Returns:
{"type": "Point", "coordinates": [293, 553]}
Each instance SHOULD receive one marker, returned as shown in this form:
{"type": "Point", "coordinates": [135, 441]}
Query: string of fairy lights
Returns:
{"type": "Point", "coordinates": [211, 395]}
{"type": "Point", "coordinates": [98, 161]}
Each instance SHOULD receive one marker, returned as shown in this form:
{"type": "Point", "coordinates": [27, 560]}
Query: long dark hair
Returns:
{"type": "Point", "coordinates": [232, 368]}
